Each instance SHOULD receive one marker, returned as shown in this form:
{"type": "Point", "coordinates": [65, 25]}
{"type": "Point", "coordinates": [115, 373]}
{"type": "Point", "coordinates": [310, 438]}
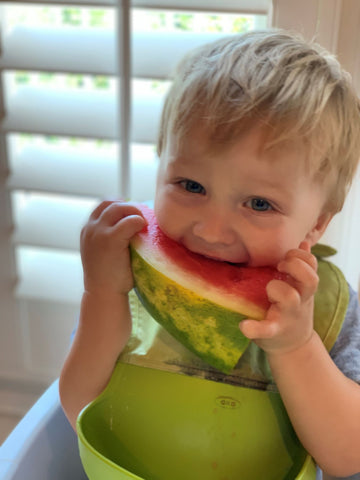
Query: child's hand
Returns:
{"type": "Point", "coordinates": [289, 321]}
{"type": "Point", "coordinates": [104, 246]}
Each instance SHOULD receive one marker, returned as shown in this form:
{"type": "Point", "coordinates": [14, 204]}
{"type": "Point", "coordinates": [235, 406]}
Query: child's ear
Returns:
{"type": "Point", "coordinates": [319, 228]}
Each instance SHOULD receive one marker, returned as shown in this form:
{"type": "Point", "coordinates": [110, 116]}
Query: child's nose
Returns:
{"type": "Point", "coordinates": [214, 229]}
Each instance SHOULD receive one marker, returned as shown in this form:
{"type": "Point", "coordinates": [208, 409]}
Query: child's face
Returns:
{"type": "Point", "coordinates": [242, 203]}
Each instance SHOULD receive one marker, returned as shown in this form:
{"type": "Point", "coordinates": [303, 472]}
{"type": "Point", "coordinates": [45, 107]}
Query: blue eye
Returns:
{"type": "Point", "coordinates": [193, 187]}
{"type": "Point", "coordinates": [260, 204]}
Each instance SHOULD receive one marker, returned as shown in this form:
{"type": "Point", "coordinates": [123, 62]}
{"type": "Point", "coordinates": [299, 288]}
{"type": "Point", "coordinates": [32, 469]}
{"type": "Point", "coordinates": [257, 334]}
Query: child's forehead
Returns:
{"type": "Point", "coordinates": [256, 137]}
{"type": "Point", "coordinates": [255, 142]}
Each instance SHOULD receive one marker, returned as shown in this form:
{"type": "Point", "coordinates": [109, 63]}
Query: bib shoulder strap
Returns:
{"type": "Point", "coordinates": [331, 299]}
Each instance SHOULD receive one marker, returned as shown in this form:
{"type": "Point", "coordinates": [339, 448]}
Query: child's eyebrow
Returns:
{"type": "Point", "coordinates": [266, 187]}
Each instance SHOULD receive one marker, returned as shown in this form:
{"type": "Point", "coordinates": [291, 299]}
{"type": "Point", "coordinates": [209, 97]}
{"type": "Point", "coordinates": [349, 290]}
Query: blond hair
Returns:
{"type": "Point", "coordinates": [294, 87]}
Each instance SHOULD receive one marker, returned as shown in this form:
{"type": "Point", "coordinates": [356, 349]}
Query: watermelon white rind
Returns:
{"type": "Point", "coordinates": [198, 300]}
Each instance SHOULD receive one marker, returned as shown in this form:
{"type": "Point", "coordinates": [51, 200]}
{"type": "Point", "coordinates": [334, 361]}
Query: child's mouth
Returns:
{"type": "Point", "coordinates": [218, 258]}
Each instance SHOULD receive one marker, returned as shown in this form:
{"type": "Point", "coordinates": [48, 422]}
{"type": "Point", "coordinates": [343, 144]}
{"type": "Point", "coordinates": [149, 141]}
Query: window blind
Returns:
{"type": "Point", "coordinates": [82, 88]}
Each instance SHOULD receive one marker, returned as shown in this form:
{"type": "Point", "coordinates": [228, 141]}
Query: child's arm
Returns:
{"type": "Point", "coordinates": [104, 323]}
{"type": "Point", "coordinates": [323, 404]}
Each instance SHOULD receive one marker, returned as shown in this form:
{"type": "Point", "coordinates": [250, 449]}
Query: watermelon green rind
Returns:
{"type": "Point", "coordinates": [209, 330]}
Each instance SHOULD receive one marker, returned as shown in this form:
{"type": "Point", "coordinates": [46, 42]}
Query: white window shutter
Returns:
{"type": "Point", "coordinates": [64, 148]}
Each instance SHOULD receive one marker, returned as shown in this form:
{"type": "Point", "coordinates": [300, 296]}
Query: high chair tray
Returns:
{"type": "Point", "coordinates": [43, 446]}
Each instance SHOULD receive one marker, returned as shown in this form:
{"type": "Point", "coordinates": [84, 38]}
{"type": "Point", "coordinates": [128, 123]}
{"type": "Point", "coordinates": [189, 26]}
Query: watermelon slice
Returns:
{"type": "Point", "coordinates": [198, 300]}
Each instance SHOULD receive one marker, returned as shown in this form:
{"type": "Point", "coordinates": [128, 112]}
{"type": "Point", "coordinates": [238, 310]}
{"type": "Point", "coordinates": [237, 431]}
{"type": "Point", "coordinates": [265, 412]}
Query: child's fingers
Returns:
{"type": "Point", "coordinates": [99, 209]}
{"type": "Point", "coordinates": [112, 222]}
{"type": "Point", "coordinates": [302, 276]}
{"type": "Point", "coordinates": [129, 226]}
{"type": "Point", "coordinates": [305, 245]}
{"type": "Point", "coordinates": [258, 329]}
{"type": "Point", "coordinates": [116, 211]}
{"type": "Point", "coordinates": [301, 266]}
{"type": "Point", "coordinates": [283, 294]}
{"type": "Point", "coordinates": [303, 255]}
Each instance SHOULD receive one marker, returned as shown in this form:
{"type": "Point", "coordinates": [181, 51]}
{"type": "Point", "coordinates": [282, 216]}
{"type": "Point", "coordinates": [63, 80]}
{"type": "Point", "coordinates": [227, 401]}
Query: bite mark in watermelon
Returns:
{"type": "Point", "coordinates": [200, 301]}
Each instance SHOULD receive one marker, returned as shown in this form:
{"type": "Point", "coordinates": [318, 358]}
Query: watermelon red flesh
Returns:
{"type": "Point", "coordinates": [198, 300]}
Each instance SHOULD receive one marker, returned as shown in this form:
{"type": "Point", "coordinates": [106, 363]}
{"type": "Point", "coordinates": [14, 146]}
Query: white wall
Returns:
{"type": "Point", "coordinates": [335, 25]}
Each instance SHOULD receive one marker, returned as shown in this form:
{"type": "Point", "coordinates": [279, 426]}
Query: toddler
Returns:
{"type": "Point", "coordinates": [259, 141]}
